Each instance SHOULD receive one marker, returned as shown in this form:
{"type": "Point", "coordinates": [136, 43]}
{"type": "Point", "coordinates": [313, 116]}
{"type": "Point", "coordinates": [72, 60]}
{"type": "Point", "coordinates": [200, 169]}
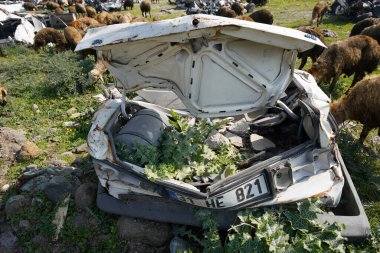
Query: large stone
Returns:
{"type": "Point", "coordinates": [235, 140]}
{"type": "Point", "coordinates": [260, 143]}
{"type": "Point", "coordinates": [15, 204]}
{"type": "Point", "coordinates": [216, 140]}
{"type": "Point", "coordinates": [85, 195]}
{"type": "Point", "coordinates": [29, 150]}
{"type": "Point", "coordinates": [239, 127]}
{"type": "Point", "coordinates": [8, 240]}
{"type": "Point", "coordinates": [58, 188]}
{"type": "Point", "coordinates": [139, 247]}
{"type": "Point", "coordinates": [140, 230]}
{"type": "Point", "coordinates": [36, 184]}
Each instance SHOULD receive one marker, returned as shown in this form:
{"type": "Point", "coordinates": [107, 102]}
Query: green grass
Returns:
{"type": "Point", "coordinates": [57, 82]}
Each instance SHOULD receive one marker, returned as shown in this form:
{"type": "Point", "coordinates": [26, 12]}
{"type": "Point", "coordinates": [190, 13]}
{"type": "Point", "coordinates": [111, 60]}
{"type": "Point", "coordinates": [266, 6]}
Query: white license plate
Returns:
{"type": "Point", "coordinates": [246, 192]}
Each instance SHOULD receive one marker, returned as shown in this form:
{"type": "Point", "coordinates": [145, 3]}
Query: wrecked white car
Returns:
{"type": "Point", "coordinates": [215, 68]}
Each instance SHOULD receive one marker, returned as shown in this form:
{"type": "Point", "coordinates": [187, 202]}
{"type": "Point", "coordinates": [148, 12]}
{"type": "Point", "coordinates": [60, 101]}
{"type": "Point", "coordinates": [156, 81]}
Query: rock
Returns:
{"type": "Point", "coordinates": [15, 204]}
{"type": "Point", "coordinates": [70, 124]}
{"type": "Point", "coordinates": [37, 201]}
{"type": "Point", "coordinates": [260, 143]}
{"type": "Point", "coordinates": [75, 115]}
{"type": "Point", "coordinates": [5, 188]}
{"type": "Point", "coordinates": [11, 135]}
{"type": "Point", "coordinates": [85, 195]}
{"type": "Point", "coordinates": [140, 230]}
{"type": "Point", "coordinates": [100, 97]}
{"type": "Point", "coordinates": [139, 247]}
{"type": "Point", "coordinates": [67, 153]}
{"type": "Point", "coordinates": [31, 167]}
{"type": "Point", "coordinates": [215, 140]}
{"type": "Point", "coordinates": [8, 240]}
{"type": "Point", "coordinates": [235, 140]}
{"type": "Point", "coordinates": [82, 148]}
{"type": "Point", "coordinates": [36, 184]}
{"type": "Point", "coordinates": [71, 111]}
{"type": "Point", "coordinates": [239, 127]}
{"type": "Point", "coordinates": [34, 107]}
{"type": "Point", "coordinates": [38, 240]}
{"type": "Point", "coordinates": [29, 150]}
{"type": "Point", "coordinates": [57, 163]}
{"type": "Point", "coordinates": [24, 225]}
{"type": "Point", "coordinates": [58, 188]}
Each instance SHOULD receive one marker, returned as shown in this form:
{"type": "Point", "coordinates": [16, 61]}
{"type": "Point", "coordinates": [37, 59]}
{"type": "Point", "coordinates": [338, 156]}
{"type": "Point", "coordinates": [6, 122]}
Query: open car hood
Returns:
{"type": "Point", "coordinates": [217, 66]}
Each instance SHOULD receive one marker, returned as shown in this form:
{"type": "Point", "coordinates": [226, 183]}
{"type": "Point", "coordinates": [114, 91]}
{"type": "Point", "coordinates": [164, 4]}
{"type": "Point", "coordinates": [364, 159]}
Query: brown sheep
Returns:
{"type": "Point", "coordinates": [319, 11]}
{"type": "Point", "coordinates": [107, 18]}
{"type": "Point", "coordinates": [80, 9]}
{"type": "Point", "coordinates": [91, 12]}
{"type": "Point", "coordinates": [73, 36]}
{"type": "Point", "coordinates": [3, 96]}
{"type": "Point", "coordinates": [52, 6]}
{"type": "Point", "coordinates": [50, 35]}
{"type": "Point", "coordinates": [226, 12]}
{"type": "Point", "coordinates": [372, 31]}
{"type": "Point", "coordinates": [145, 8]}
{"type": "Point", "coordinates": [355, 55]}
{"type": "Point", "coordinates": [362, 104]}
{"type": "Point", "coordinates": [123, 18]}
{"type": "Point", "coordinates": [128, 4]}
{"type": "Point", "coordinates": [238, 8]}
{"type": "Point", "coordinates": [361, 25]}
{"type": "Point", "coordinates": [82, 24]}
{"type": "Point", "coordinates": [29, 6]}
{"type": "Point", "coordinates": [314, 52]}
{"type": "Point", "coordinates": [262, 16]}
{"type": "Point", "coordinates": [138, 19]}
{"type": "Point", "coordinates": [72, 9]}
{"type": "Point", "coordinates": [59, 11]}
{"type": "Point", "coordinates": [260, 2]}
{"type": "Point", "coordinates": [246, 18]}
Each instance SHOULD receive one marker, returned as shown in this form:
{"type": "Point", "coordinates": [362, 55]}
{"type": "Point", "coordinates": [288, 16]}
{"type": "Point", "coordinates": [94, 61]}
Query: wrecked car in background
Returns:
{"type": "Point", "coordinates": [209, 69]}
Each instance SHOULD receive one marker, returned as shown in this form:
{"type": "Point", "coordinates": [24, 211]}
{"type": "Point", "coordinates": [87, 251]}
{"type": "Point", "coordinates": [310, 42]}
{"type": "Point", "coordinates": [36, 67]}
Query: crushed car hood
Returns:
{"type": "Point", "coordinates": [217, 66]}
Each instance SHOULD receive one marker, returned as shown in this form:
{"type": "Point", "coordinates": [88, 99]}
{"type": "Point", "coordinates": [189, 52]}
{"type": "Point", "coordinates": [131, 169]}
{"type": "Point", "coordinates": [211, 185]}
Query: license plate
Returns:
{"type": "Point", "coordinates": [247, 192]}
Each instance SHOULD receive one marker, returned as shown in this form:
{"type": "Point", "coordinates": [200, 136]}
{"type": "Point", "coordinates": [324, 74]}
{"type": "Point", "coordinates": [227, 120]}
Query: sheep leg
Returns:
{"type": "Point", "coordinates": [303, 62]}
{"type": "Point", "coordinates": [357, 78]}
{"type": "Point", "coordinates": [333, 83]}
{"type": "Point", "coordinates": [364, 133]}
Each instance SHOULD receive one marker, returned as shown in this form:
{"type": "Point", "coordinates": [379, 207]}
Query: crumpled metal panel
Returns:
{"type": "Point", "coordinates": [269, 34]}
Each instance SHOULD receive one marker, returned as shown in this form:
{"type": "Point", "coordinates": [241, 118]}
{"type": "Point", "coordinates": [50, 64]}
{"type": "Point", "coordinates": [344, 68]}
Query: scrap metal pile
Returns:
{"type": "Point", "coordinates": [204, 6]}
{"type": "Point", "coordinates": [356, 9]}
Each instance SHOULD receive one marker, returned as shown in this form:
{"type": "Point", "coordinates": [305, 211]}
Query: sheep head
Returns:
{"type": "Point", "coordinates": [337, 109]}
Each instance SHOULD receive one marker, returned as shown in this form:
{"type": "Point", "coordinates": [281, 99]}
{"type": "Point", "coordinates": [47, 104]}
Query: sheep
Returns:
{"type": "Point", "coordinates": [73, 36]}
{"type": "Point", "coordinates": [319, 11]}
{"type": "Point", "coordinates": [96, 74]}
{"type": "Point", "coordinates": [3, 95]}
{"type": "Point", "coordinates": [260, 2]}
{"type": "Point", "coordinates": [314, 52]}
{"type": "Point", "coordinates": [361, 25]}
{"type": "Point", "coordinates": [246, 18]}
{"type": "Point", "coordinates": [82, 24]}
{"type": "Point", "coordinates": [124, 18]}
{"type": "Point", "coordinates": [72, 9]}
{"type": "Point", "coordinates": [354, 55]}
{"type": "Point", "coordinates": [238, 8]}
{"type": "Point", "coordinates": [138, 19]}
{"type": "Point", "coordinates": [372, 31]}
{"type": "Point", "coordinates": [29, 6]}
{"type": "Point", "coordinates": [58, 11]}
{"type": "Point", "coordinates": [226, 12]}
{"type": "Point", "coordinates": [362, 104]}
{"type": "Point", "coordinates": [91, 12]}
{"type": "Point", "coordinates": [145, 8]}
{"type": "Point", "coordinates": [49, 35]}
{"type": "Point", "coordinates": [262, 16]}
{"type": "Point", "coordinates": [51, 6]}
{"type": "Point", "coordinates": [128, 3]}
{"type": "Point", "coordinates": [107, 18]}
{"type": "Point", "coordinates": [2, 54]}
{"type": "Point", "coordinates": [80, 9]}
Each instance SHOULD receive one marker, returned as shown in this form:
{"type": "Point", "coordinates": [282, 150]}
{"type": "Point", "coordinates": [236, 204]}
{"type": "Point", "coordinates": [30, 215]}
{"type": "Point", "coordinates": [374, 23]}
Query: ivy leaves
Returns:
{"type": "Point", "coordinates": [183, 153]}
